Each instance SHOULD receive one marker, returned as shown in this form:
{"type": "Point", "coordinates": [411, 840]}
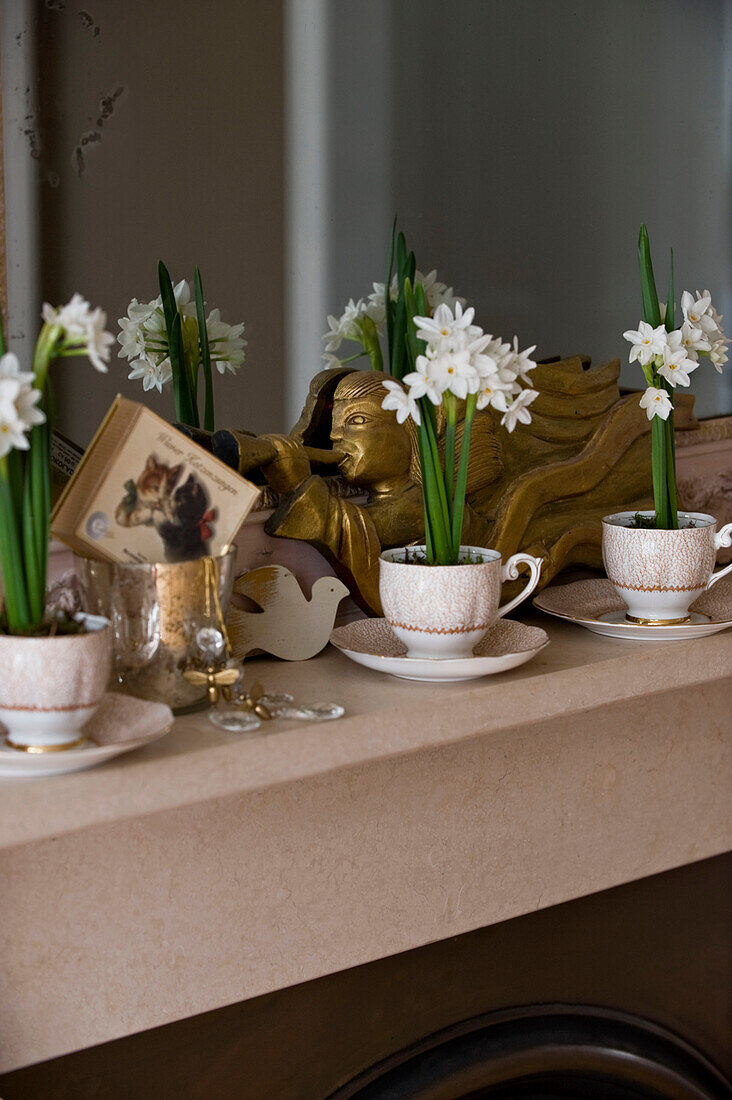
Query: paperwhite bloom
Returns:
{"type": "Point", "coordinates": [436, 294]}
{"type": "Point", "coordinates": [226, 343]}
{"type": "Point", "coordinates": [518, 363]}
{"type": "Point", "coordinates": [345, 327]}
{"type": "Point", "coordinates": [143, 338]}
{"type": "Point", "coordinates": [693, 340]}
{"type": "Point", "coordinates": [718, 354]}
{"type": "Point", "coordinates": [656, 403]}
{"type": "Point", "coordinates": [492, 392]}
{"type": "Point", "coordinates": [697, 311]}
{"type": "Point", "coordinates": [10, 368]}
{"type": "Point", "coordinates": [441, 330]}
{"type": "Point", "coordinates": [647, 341]}
{"type": "Point", "coordinates": [152, 374]}
{"type": "Point", "coordinates": [456, 372]}
{"type": "Point", "coordinates": [676, 366]}
{"type": "Point", "coordinates": [517, 411]}
{"type": "Point", "coordinates": [401, 402]}
{"type": "Point", "coordinates": [18, 412]}
{"type": "Point", "coordinates": [426, 381]}
{"type": "Point", "coordinates": [84, 328]}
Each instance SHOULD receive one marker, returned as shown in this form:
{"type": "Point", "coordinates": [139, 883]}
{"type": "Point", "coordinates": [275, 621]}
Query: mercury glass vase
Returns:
{"type": "Point", "coordinates": [157, 612]}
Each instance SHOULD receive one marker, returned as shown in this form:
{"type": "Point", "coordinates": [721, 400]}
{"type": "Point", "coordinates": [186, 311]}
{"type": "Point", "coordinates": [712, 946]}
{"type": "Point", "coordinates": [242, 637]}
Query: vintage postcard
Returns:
{"type": "Point", "coordinates": [145, 492]}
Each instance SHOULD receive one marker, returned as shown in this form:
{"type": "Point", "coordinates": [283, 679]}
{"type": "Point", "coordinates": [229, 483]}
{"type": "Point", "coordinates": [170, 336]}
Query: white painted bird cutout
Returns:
{"type": "Point", "coordinates": [289, 625]}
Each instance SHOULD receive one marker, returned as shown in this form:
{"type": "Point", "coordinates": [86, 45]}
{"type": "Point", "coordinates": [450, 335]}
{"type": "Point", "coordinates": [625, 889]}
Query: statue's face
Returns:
{"type": "Point", "coordinates": [376, 449]}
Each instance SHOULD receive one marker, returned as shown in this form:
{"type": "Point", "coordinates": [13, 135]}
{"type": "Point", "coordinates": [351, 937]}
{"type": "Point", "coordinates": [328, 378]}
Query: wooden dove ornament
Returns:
{"type": "Point", "coordinates": [290, 625]}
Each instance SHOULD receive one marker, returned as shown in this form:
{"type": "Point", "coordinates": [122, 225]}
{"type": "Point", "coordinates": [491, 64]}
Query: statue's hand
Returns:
{"type": "Point", "coordinates": [290, 466]}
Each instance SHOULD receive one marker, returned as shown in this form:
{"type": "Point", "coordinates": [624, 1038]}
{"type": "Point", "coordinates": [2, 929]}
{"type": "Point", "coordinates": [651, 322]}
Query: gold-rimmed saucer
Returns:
{"type": "Point", "coordinates": [120, 724]}
{"type": "Point", "coordinates": [596, 606]}
{"type": "Point", "coordinates": [373, 644]}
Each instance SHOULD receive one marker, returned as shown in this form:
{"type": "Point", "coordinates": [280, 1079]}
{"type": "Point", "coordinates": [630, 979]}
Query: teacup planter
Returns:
{"type": "Point", "coordinates": [51, 686]}
{"type": "Point", "coordinates": [443, 611]}
{"type": "Point", "coordinates": [659, 573]}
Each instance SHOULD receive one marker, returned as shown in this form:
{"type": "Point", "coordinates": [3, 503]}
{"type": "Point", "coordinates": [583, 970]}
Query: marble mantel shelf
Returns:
{"type": "Point", "coordinates": [207, 869]}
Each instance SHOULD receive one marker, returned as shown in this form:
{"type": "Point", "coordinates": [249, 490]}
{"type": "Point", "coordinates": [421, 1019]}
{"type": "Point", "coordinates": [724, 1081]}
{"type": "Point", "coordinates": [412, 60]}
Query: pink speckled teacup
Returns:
{"type": "Point", "coordinates": [443, 611]}
{"type": "Point", "coordinates": [50, 687]}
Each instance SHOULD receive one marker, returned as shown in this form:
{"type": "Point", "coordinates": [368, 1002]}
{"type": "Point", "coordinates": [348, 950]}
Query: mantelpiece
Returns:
{"type": "Point", "coordinates": [207, 870]}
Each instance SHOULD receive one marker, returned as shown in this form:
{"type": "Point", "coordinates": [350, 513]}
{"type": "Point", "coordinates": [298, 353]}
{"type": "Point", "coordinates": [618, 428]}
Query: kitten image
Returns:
{"type": "Point", "coordinates": [181, 516]}
{"type": "Point", "coordinates": [148, 494]}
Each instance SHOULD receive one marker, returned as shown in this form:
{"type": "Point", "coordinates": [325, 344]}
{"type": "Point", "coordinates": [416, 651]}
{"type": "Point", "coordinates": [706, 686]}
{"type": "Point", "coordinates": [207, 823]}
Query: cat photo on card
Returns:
{"type": "Point", "coordinates": [145, 492]}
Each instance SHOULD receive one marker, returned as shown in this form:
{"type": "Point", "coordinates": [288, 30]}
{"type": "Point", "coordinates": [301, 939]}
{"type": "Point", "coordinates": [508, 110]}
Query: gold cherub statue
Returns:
{"type": "Point", "coordinates": [542, 489]}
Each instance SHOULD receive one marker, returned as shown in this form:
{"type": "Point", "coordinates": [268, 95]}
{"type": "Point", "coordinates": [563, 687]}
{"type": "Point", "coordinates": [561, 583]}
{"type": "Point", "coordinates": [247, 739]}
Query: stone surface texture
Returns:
{"type": "Point", "coordinates": [208, 868]}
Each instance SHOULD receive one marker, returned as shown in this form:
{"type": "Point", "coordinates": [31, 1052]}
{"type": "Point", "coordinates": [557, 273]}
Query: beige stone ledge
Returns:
{"type": "Point", "coordinates": [208, 869]}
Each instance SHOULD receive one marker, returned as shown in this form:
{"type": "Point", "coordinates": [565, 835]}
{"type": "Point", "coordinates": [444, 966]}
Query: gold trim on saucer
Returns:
{"type": "Point", "coordinates": [656, 622]}
{"type": "Point", "coordinates": [39, 750]}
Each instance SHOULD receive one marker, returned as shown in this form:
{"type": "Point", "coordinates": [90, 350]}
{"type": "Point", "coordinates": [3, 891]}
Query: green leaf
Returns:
{"type": "Point", "coordinates": [399, 336]}
{"type": "Point", "coordinates": [387, 294]}
{"type": "Point", "coordinates": [185, 405]}
{"type": "Point", "coordinates": [208, 411]}
{"type": "Point", "coordinates": [167, 295]}
{"type": "Point", "coordinates": [670, 320]}
{"type": "Point", "coordinates": [651, 310]}
{"type": "Point", "coordinates": [11, 557]}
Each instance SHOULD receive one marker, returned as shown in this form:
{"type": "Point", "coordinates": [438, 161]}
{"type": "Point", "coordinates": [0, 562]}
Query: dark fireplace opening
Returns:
{"type": "Point", "coordinates": [545, 1052]}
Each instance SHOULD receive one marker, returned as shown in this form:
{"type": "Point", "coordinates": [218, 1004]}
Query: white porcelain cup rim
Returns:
{"type": "Point", "coordinates": [389, 556]}
{"type": "Point", "coordinates": [701, 520]}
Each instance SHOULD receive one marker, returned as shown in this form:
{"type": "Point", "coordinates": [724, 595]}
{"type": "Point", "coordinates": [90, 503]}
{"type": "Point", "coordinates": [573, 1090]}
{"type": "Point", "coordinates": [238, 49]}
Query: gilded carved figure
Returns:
{"type": "Point", "coordinates": [542, 489]}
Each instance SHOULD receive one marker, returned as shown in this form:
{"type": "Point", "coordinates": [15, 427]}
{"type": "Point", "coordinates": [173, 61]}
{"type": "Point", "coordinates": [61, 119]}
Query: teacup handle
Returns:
{"type": "Point", "coordinates": [722, 539]}
{"type": "Point", "coordinates": [510, 573]}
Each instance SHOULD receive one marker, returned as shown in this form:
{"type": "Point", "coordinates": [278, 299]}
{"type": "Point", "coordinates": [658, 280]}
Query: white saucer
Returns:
{"type": "Point", "coordinates": [373, 644]}
{"type": "Point", "coordinates": [595, 605]}
{"type": "Point", "coordinates": [121, 724]}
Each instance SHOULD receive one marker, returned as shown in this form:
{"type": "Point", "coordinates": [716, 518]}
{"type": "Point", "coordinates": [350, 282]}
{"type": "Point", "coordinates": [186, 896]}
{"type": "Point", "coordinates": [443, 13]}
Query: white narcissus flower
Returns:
{"type": "Point", "coordinates": [718, 354]}
{"type": "Point", "coordinates": [143, 338]}
{"type": "Point", "coordinates": [517, 411]}
{"type": "Point", "coordinates": [492, 392]}
{"type": "Point", "coordinates": [647, 341]}
{"type": "Point", "coordinates": [676, 366]}
{"type": "Point", "coordinates": [345, 327]}
{"type": "Point", "coordinates": [153, 375]}
{"type": "Point", "coordinates": [399, 401]}
{"type": "Point", "coordinates": [426, 380]}
{"type": "Point", "coordinates": [693, 340]}
{"type": "Point", "coordinates": [696, 311]}
{"type": "Point", "coordinates": [440, 331]}
{"type": "Point", "coordinates": [18, 400]}
{"type": "Point", "coordinates": [84, 329]}
{"type": "Point", "coordinates": [457, 373]}
{"type": "Point", "coordinates": [656, 403]}
{"type": "Point", "coordinates": [10, 368]}
{"type": "Point", "coordinates": [226, 343]}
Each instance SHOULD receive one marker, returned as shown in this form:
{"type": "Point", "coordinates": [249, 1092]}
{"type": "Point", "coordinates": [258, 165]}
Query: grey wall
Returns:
{"type": "Point", "coordinates": [531, 138]}
{"type": "Point", "coordinates": [188, 167]}
{"type": "Point", "coordinates": [520, 141]}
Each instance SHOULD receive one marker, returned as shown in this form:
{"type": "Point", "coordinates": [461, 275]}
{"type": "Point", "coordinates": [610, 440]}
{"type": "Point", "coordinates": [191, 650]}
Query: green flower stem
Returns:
{"type": "Point", "coordinates": [659, 467]}
{"type": "Point", "coordinates": [451, 414]}
{"type": "Point", "coordinates": [458, 508]}
{"type": "Point", "coordinates": [439, 508]}
{"type": "Point", "coordinates": [429, 541]}
{"type": "Point", "coordinates": [11, 560]}
{"type": "Point", "coordinates": [673, 514]}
